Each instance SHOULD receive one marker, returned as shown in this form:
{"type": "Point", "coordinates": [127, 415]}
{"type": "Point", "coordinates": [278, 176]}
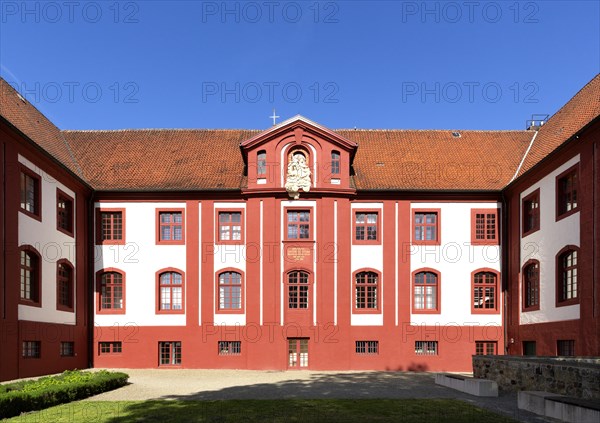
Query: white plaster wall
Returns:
{"type": "Point", "coordinates": [140, 258]}
{"type": "Point", "coordinates": [52, 245]}
{"type": "Point", "coordinates": [544, 244]}
{"type": "Point", "coordinates": [455, 259]}
{"type": "Point", "coordinates": [227, 255]}
{"type": "Point", "coordinates": [367, 256]}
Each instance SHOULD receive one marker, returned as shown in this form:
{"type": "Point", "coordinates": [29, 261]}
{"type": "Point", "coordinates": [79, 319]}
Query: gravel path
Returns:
{"type": "Point", "coordinates": [186, 384]}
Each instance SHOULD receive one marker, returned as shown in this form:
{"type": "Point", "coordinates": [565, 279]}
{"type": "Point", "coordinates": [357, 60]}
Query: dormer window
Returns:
{"type": "Point", "coordinates": [335, 162]}
{"type": "Point", "coordinates": [261, 164]}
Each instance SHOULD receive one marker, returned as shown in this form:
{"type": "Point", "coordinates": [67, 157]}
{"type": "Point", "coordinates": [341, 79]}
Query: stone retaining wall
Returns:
{"type": "Point", "coordinates": [574, 377]}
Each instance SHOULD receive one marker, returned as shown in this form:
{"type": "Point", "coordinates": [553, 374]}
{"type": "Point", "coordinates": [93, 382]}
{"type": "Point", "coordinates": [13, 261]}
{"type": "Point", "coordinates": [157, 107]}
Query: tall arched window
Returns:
{"type": "Point", "coordinates": [64, 286]}
{"type": "Point", "coordinates": [112, 291]}
{"type": "Point", "coordinates": [170, 291]}
{"type": "Point", "coordinates": [426, 292]}
{"type": "Point", "coordinates": [366, 291]}
{"type": "Point", "coordinates": [30, 276]}
{"type": "Point", "coordinates": [566, 276]}
{"type": "Point", "coordinates": [485, 292]}
{"type": "Point", "coordinates": [230, 291]}
{"type": "Point", "coordinates": [531, 285]}
{"type": "Point", "coordinates": [298, 289]}
{"type": "Point", "coordinates": [261, 163]}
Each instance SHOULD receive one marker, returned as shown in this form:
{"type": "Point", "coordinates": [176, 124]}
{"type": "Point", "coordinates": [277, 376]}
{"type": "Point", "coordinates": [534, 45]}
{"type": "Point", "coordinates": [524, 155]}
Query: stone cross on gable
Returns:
{"type": "Point", "coordinates": [274, 117]}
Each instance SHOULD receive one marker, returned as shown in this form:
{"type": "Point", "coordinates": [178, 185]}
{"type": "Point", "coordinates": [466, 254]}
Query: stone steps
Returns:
{"type": "Point", "coordinates": [469, 385]}
{"type": "Point", "coordinates": [559, 407]}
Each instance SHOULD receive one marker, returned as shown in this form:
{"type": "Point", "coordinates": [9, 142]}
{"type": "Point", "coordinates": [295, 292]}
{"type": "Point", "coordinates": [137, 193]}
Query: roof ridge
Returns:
{"type": "Point", "coordinates": [155, 129]}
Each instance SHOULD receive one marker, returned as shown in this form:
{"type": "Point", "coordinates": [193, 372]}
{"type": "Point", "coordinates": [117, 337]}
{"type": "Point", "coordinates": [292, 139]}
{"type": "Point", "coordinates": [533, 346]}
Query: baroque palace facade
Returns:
{"type": "Point", "coordinates": [297, 247]}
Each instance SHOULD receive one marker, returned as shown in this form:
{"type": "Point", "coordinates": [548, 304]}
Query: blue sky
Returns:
{"type": "Point", "coordinates": [376, 64]}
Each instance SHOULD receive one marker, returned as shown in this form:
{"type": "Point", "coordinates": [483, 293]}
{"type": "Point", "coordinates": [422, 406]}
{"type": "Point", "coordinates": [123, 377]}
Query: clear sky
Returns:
{"type": "Point", "coordinates": [344, 64]}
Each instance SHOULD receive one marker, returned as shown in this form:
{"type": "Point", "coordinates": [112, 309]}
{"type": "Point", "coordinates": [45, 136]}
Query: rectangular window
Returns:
{"type": "Point", "coordinates": [529, 348]}
{"type": "Point", "coordinates": [64, 212]}
{"type": "Point", "coordinates": [426, 227]}
{"type": "Point", "coordinates": [30, 193]}
{"type": "Point", "coordinates": [567, 187]}
{"type": "Point", "coordinates": [110, 347]}
{"type": "Point", "coordinates": [110, 226]}
{"type": "Point", "coordinates": [67, 349]}
{"type": "Point", "coordinates": [298, 224]}
{"type": "Point", "coordinates": [484, 226]}
{"type": "Point", "coordinates": [531, 213]}
{"type": "Point", "coordinates": [170, 227]}
{"type": "Point", "coordinates": [261, 163]}
{"type": "Point", "coordinates": [335, 163]}
{"type": "Point", "coordinates": [565, 348]}
{"type": "Point", "coordinates": [367, 347]}
{"type": "Point", "coordinates": [426, 347]}
{"type": "Point", "coordinates": [366, 227]}
{"type": "Point", "coordinates": [486, 348]}
{"type": "Point", "coordinates": [169, 353]}
{"type": "Point", "coordinates": [230, 227]}
{"type": "Point", "coordinates": [32, 349]}
{"type": "Point", "coordinates": [230, 347]}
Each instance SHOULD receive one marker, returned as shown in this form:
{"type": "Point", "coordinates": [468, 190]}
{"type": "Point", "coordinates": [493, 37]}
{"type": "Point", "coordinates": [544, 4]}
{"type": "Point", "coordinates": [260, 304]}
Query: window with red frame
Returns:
{"type": "Point", "coordinates": [426, 291]}
{"type": "Point", "coordinates": [64, 274]}
{"type": "Point", "coordinates": [111, 226]}
{"type": "Point", "coordinates": [171, 226]}
{"type": "Point", "coordinates": [261, 163]}
{"type": "Point", "coordinates": [366, 224]}
{"type": "Point", "coordinates": [64, 213]}
{"type": "Point", "coordinates": [426, 226]}
{"type": "Point", "coordinates": [366, 285]}
{"type": "Point", "coordinates": [486, 229]}
{"type": "Point", "coordinates": [567, 199]}
{"type": "Point", "coordinates": [531, 275]}
{"type": "Point", "coordinates": [230, 347]}
{"type": "Point", "coordinates": [67, 349]}
{"type": "Point", "coordinates": [32, 349]}
{"type": "Point", "coordinates": [426, 347]}
{"type": "Point", "coordinates": [531, 212]}
{"type": "Point", "coordinates": [230, 291]}
{"type": "Point", "coordinates": [486, 347]}
{"type": "Point", "coordinates": [367, 347]}
{"type": "Point", "coordinates": [567, 268]}
{"type": "Point", "coordinates": [170, 291]}
{"type": "Point", "coordinates": [169, 353]}
{"type": "Point", "coordinates": [30, 276]}
{"type": "Point", "coordinates": [335, 162]}
{"type": "Point", "coordinates": [111, 291]}
{"type": "Point", "coordinates": [230, 226]}
{"type": "Point", "coordinates": [298, 224]}
{"type": "Point", "coordinates": [30, 193]}
{"type": "Point", "coordinates": [484, 291]}
{"type": "Point", "coordinates": [298, 290]}
{"type": "Point", "coordinates": [110, 347]}
{"type": "Point", "coordinates": [565, 348]}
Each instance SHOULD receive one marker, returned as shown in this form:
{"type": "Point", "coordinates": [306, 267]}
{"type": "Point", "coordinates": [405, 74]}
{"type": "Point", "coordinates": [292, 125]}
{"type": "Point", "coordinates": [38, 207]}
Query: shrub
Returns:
{"type": "Point", "coordinates": [19, 397]}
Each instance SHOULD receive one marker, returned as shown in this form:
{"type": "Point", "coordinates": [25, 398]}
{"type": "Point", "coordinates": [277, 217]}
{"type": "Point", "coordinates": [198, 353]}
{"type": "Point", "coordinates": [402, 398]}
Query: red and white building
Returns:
{"type": "Point", "coordinates": [298, 246]}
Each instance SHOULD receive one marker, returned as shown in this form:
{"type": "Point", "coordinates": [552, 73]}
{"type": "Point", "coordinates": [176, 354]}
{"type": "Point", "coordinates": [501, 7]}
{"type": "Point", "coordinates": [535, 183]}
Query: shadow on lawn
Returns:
{"type": "Point", "coordinates": [357, 388]}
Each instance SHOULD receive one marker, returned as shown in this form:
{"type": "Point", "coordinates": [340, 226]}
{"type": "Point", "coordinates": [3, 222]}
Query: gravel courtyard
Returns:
{"type": "Point", "coordinates": [183, 384]}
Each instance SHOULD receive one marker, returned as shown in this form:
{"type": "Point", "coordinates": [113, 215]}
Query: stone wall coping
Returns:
{"type": "Point", "coordinates": [588, 362]}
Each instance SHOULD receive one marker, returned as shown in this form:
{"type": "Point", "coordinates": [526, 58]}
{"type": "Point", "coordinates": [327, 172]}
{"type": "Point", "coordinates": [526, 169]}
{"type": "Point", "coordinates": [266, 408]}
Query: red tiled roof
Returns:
{"type": "Point", "coordinates": [203, 159]}
{"type": "Point", "coordinates": [436, 160]}
{"type": "Point", "coordinates": [161, 159]}
{"type": "Point", "coordinates": [211, 159]}
{"type": "Point", "coordinates": [576, 114]}
{"type": "Point", "coordinates": [29, 120]}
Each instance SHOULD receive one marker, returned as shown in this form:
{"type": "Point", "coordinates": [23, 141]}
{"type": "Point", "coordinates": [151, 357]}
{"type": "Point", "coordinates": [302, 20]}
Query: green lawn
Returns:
{"type": "Point", "coordinates": [272, 411]}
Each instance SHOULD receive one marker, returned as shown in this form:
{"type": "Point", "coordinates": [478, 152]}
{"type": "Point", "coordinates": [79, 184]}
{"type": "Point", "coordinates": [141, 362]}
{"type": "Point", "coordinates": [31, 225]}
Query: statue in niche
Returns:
{"type": "Point", "coordinates": [298, 175]}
